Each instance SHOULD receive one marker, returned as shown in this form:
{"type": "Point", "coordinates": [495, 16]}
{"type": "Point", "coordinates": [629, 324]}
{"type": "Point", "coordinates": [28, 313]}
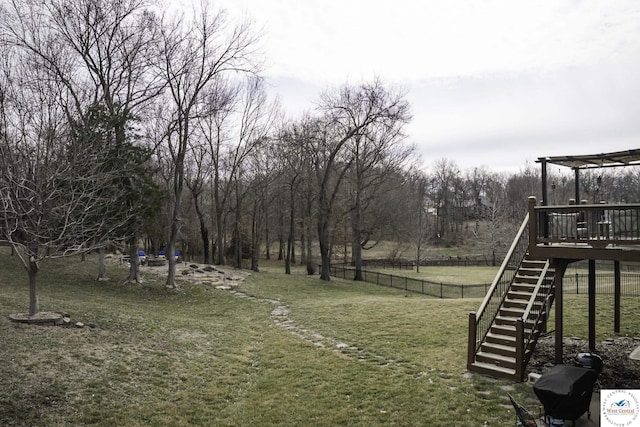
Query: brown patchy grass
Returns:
{"type": "Point", "coordinates": [202, 356]}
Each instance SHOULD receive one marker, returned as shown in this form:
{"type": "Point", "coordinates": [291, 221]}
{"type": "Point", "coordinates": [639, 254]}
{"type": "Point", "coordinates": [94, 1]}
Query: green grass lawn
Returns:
{"type": "Point", "coordinates": [332, 353]}
{"type": "Point", "coordinates": [474, 275]}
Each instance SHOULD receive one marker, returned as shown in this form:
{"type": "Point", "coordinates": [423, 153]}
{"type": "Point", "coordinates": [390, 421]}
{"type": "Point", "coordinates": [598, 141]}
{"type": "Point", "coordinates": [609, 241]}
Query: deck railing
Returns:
{"type": "Point", "coordinates": [592, 225]}
{"type": "Point", "coordinates": [584, 231]}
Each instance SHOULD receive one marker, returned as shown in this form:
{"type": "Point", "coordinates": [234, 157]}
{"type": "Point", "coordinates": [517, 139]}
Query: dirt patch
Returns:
{"type": "Point", "coordinates": [620, 372]}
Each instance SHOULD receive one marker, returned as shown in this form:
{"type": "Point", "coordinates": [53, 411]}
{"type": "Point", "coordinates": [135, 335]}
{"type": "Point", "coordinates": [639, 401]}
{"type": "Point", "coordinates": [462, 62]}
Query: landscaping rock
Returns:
{"type": "Point", "coordinates": [620, 371]}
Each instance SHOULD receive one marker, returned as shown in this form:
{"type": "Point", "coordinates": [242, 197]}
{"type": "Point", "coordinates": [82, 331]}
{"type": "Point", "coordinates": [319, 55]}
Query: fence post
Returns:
{"type": "Point", "coordinates": [462, 291]}
{"type": "Point", "coordinates": [405, 283]}
{"type": "Point", "coordinates": [577, 289]}
{"type": "Point", "coordinates": [440, 290]}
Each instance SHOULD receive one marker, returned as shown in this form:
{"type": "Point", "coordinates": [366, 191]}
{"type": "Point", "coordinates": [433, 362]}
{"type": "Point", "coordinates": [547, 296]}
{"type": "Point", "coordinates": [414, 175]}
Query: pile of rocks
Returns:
{"type": "Point", "coordinates": [212, 276]}
{"type": "Point", "coordinates": [620, 371]}
{"type": "Point", "coordinates": [68, 323]}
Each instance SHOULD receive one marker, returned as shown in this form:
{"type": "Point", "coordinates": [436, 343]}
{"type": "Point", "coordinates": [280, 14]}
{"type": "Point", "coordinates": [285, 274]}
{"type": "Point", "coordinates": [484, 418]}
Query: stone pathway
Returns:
{"type": "Point", "coordinates": [280, 317]}
{"type": "Point", "coordinates": [211, 276]}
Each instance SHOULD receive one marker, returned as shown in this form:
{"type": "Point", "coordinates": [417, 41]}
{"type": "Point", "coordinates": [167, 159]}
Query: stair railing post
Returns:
{"type": "Point", "coordinates": [471, 344]}
{"type": "Point", "coordinates": [533, 225]}
{"type": "Point", "coordinates": [519, 349]}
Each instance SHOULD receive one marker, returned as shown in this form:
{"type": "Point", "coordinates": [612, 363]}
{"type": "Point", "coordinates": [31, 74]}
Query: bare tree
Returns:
{"type": "Point", "coordinates": [264, 173]}
{"type": "Point", "coordinates": [56, 194]}
{"type": "Point", "coordinates": [215, 128]}
{"type": "Point", "coordinates": [197, 182]}
{"type": "Point", "coordinates": [348, 115]}
{"type": "Point", "coordinates": [499, 229]}
{"type": "Point", "coordinates": [444, 179]}
{"type": "Point", "coordinates": [255, 121]}
{"type": "Point", "coordinates": [291, 143]}
{"type": "Point", "coordinates": [195, 52]}
{"type": "Point", "coordinates": [101, 52]}
{"type": "Point", "coordinates": [419, 213]}
{"type": "Point", "coordinates": [377, 152]}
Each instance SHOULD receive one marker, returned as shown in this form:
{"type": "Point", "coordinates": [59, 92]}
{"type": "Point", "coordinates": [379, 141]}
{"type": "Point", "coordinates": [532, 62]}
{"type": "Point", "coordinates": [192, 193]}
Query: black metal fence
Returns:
{"type": "Point", "coordinates": [578, 283]}
{"type": "Point", "coordinates": [573, 284]}
{"type": "Point", "coordinates": [421, 286]}
{"type": "Point", "coordinates": [445, 261]}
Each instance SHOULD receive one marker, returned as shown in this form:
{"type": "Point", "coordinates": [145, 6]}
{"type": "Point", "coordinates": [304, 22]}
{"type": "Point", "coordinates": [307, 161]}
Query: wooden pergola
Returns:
{"type": "Point", "coordinates": [564, 254]}
{"type": "Point", "coordinates": [586, 162]}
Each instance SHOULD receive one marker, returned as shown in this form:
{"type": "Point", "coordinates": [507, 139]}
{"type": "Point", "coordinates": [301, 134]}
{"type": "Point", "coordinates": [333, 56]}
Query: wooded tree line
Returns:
{"type": "Point", "coordinates": [124, 122]}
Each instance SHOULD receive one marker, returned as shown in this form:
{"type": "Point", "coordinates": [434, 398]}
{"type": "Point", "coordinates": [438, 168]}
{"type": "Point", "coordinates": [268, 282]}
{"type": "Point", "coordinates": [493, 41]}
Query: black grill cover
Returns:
{"type": "Point", "coordinates": [565, 391]}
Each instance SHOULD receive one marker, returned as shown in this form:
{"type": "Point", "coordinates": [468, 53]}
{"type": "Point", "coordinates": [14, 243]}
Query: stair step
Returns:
{"type": "Point", "coordinates": [499, 349]}
{"type": "Point", "coordinates": [526, 279]}
{"type": "Point", "coordinates": [496, 359]}
{"type": "Point", "coordinates": [535, 265]}
{"type": "Point", "coordinates": [495, 338]}
{"type": "Point", "coordinates": [530, 271]}
{"type": "Point", "coordinates": [523, 287]}
{"type": "Point", "coordinates": [515, 303]}
{"type": "Point", "coordinates": [512, 294]}
{"type": "Point", "coordinates": [507, 330]}
{"type": "Point", "coordinates": [510, 315]}
{"type": "Point", "coordinates": [515, 312]}
{"type": "Point", "coordinates": [511, 321]}
{"type": "Point", "coordinates": [493, 370]}
{"type": "Point", "coordinates": [530, 285]}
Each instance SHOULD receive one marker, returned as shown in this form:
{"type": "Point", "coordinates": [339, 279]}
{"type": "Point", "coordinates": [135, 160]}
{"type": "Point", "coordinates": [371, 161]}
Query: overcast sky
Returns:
{"type": "Point", "coordinates": [491, 83]}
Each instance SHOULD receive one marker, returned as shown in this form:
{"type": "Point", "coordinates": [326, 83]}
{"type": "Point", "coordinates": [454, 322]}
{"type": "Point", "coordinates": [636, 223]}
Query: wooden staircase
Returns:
{"type": "Point", "coordinates": [504, 331]}
{"type": "Point", "coordinates": [497, 355]}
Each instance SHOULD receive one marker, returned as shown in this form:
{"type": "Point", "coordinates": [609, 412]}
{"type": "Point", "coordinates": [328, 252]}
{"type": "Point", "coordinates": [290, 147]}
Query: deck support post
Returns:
{"type": "Point", "coordinates": [616, 297]}
{"type": "Point", "coordinates": [545, 191]}
{"type": "Point", "coordinates": [592, 305]}
{"type": "Point", "coordinates": [576, 180]}
{"type": "Point", "coordinates": [560, 266]}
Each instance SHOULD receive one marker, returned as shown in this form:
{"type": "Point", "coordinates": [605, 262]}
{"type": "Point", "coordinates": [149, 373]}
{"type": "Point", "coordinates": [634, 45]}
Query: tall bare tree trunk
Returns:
{"type": "Point", "coordinates": [134, 261]}
{"type": "Point", "coordinates": [290, 237]}
{"type": "Point", "coordinates": [255, 237]}
{"type": "Point", "coordinates": [356, 248]}
{"type": "Point", "coordinates": [171, 248]}
{"type": "Point", "coordinates": [102, 269]}
{"type": "Point", "coordinates": [34, 304]}
{"type": "Point", "coordinates": [267, 239]}
{"type": "Point", "coordinates": [220, 239]}
{"type": "Point", "coordinates": [204, 230]}
{"type": "Point", "coordinates": [325, 255]}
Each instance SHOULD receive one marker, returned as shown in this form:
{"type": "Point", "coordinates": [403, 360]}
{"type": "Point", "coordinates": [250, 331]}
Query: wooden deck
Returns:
{"type": "Point", "coordinates": [585, 231]}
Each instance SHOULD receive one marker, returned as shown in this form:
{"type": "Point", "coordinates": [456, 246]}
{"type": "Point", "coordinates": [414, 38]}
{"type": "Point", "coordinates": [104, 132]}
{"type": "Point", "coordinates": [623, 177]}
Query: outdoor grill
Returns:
{"type": "Point", "coordinates": [565, 391]}
{"type": "Point", "coordinates": [591, 361]}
